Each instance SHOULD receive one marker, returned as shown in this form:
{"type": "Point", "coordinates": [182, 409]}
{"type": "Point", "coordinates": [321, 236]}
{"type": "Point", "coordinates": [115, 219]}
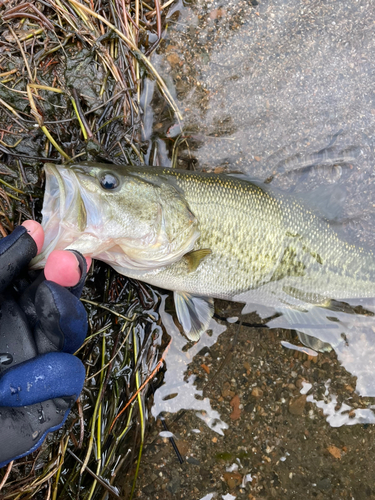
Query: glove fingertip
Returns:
{"type": "Point", "coordinates": [35, 230]}
{"type": "Point", "coordinates": [83, 265]}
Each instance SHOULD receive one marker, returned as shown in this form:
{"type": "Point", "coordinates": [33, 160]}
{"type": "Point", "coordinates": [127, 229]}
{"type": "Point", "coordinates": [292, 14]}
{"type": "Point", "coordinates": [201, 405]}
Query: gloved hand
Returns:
{"type": "Point", "coordinates": [41, 325]}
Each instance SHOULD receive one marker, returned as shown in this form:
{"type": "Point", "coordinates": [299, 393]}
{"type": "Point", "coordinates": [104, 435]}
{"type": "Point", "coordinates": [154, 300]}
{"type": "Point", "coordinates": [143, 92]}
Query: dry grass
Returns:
{"type": "Point", "coordinates": [71, 78]}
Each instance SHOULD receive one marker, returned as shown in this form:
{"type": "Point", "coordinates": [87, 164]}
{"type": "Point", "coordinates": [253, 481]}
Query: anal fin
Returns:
{"type": "Point", "coordinates": [194, 313]}
{"type": "Point", "coordinates": [317, 328]}
{"type": "Point", "coordinates": [314, 343]}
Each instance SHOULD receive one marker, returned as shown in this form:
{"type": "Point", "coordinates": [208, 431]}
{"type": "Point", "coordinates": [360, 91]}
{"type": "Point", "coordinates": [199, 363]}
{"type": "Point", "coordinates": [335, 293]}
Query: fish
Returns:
{"type": "Point", "coordinates": [204, 236]}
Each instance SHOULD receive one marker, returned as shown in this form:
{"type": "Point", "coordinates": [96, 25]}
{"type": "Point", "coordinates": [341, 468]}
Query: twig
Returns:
{"type": "Point", "coordinates": [102, 306]}
{"type": "Point", "coordinates": [137, 379]}
{"type": "Point", "coordinates": [7, 472]}
{"type": "Point", "coordinates": [113, 358]}
{"type": "Point", "coordinates": [154, 371]}
{"type": "Point", "coordinates": [41, 17]}
{"type": "Point", "coordinates": [108, 487]}
{"type": "Point", "coordinates": [162, 7]}
{"type": "Point", "coordinates": [22, 52]}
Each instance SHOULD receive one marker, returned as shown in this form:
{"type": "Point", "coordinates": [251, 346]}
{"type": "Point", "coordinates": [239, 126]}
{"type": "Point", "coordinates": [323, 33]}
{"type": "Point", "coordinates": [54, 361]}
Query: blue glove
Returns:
{"type": "Point", "coordinates": [41, 325]}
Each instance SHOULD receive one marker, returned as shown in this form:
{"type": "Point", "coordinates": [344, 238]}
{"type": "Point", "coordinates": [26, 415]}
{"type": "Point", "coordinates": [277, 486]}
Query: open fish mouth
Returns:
{"type": "Point", "coordinates": [63, 211]}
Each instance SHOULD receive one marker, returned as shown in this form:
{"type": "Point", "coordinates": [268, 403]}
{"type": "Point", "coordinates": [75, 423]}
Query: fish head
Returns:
{"type": "Point", "coordinates": [132, 218]}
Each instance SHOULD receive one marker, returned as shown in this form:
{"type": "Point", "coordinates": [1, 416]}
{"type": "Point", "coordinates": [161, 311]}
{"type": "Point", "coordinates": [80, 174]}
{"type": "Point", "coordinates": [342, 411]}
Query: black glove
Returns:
{"type": "Point", "coordinates": [41, 325]}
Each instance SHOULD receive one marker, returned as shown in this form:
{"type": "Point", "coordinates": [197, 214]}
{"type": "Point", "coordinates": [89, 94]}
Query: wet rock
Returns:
{"type": "Point", "coordinates": [13, 99]}
{"type": "Point", "coordinates": [217, 13]}
{"type": "Point", "coordinates": [297, 405]}
{"type": "Point", "coordinates": [249, 407]}
{"type": "Point", "coordinates": [173, 59]}
{"type": "Point", "coordinates": [174, 485]}
{"type": "Point", "coordinates": [183, 447]}
{"type": "Point", "coordinates": [334, 451]}
{"type": "Point", "coordinates": [235, 404]}
{"type": "Point", "coordinates": [149, 489]}
{"type": "Point", "coordinates": [273, 492]}
{"type": "Point", "coordinates": [227, 392]}
{"type": "Point", "coordinates": [83, 73]}
{"type": "Point", "coordinates": [257, 392]}
{"type": "Point", "coordinates": [324, 484]}
{"type": "Point", "coordinates": [219, 170]}
{"type": "Point", "coordinates": [204, 351]}
{"type": "Point", "coordinates": [233, 479]}
{"type": "Point", "coordinates": [205, 368]}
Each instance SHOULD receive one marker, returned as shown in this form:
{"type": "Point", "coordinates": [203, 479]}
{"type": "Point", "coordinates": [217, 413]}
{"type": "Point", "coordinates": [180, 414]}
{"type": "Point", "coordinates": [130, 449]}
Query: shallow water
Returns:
{"type": "Point", "coordinates": [282, 91]}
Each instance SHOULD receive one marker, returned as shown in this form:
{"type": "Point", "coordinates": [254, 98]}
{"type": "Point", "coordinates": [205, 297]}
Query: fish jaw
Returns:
{"type": "Point", "coordinates": [63, 213]}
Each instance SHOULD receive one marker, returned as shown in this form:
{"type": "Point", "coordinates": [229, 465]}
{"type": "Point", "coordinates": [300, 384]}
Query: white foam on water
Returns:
{"type": "Point", "coordinates": [183, 393]}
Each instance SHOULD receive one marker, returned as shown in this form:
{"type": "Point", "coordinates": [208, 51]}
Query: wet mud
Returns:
{"type": "Point", "coordinates": [293, 429]}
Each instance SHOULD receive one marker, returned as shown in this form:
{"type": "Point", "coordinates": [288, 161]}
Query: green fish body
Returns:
{"type": "Point", "coordinates": [203, 236]}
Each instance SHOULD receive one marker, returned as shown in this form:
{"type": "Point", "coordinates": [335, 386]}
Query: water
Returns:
{"type": "Point", "coordinates": [281, 90]}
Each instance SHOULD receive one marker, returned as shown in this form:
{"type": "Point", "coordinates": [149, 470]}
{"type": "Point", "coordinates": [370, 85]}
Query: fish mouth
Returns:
{"type": "Point", "coordinates": [62, 207]}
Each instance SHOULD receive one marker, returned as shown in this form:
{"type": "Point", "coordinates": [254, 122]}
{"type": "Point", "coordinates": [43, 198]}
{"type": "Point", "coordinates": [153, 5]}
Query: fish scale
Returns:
{"type": "Point", "coordinates": [248, 228]}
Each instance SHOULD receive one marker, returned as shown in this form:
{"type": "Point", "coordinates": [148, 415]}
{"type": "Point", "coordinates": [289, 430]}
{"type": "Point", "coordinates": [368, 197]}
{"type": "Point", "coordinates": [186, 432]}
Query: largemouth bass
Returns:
{"type": "Point", "coordinates": [203, 236]}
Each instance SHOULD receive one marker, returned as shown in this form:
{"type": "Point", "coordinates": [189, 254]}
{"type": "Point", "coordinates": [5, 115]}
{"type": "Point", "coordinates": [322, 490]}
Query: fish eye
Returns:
{"type": "Point", "coordinates": [109, 181]}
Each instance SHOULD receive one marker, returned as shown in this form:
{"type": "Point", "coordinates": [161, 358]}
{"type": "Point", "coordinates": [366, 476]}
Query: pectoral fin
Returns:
{"type": "Point", "coordinates": [194, 313]}
{"type": "Point", "coordinates": [195, 257]}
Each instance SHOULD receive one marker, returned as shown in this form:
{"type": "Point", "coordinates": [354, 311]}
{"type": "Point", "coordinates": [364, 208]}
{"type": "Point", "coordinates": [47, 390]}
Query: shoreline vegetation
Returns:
{"type": "Point", "coordinates": [71, 84]}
